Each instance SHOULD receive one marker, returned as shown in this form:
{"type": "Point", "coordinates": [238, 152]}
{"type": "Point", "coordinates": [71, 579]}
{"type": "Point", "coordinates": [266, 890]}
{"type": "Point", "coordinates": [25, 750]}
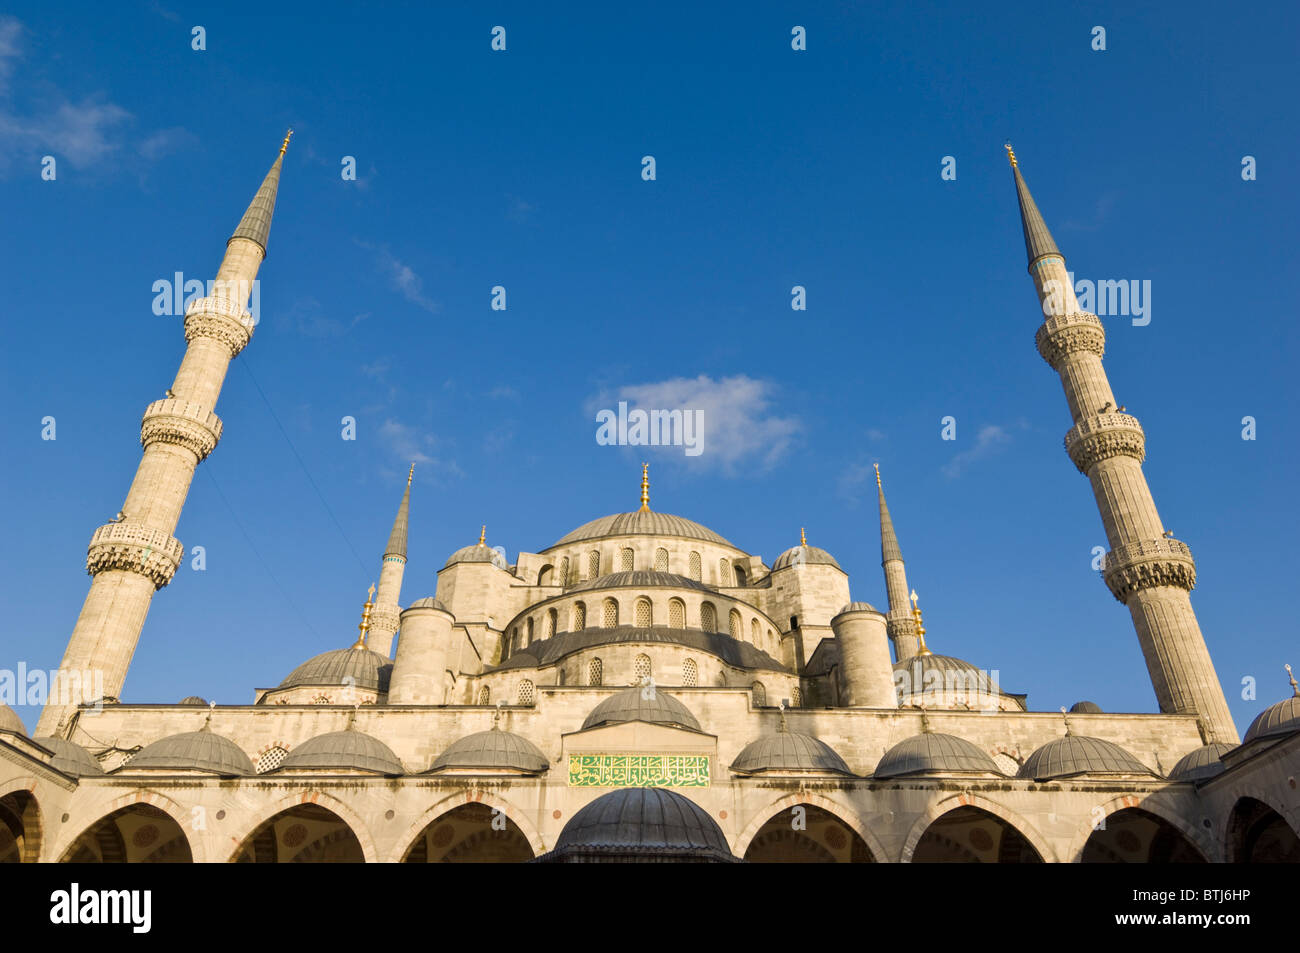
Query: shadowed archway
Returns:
{"type": "Point", "coordinates": [970, 835]}
{"type": "Point", "coordinates": [805, 833]}
{"type": "Point", "coordinates": [1134, 836]}
{"type": "Point", "coordinates": [20, 829]}
{"type": "Point", "coordinates": [135, 834]}
{"type": "Point", "coordinates": [1257, 834]}
{"type": "Point", "coordinates": [473, 833]}
{"type": "Point", "coordinates": [305, 833]}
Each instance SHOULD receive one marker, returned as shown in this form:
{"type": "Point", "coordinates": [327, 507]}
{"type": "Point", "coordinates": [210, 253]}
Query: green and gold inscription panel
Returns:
{"type": "Point", "coordinates": [639, 770]}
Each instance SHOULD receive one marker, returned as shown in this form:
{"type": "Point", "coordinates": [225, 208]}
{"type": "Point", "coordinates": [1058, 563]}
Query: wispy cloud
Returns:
{"type": "Point", "coordinates": [989, 440]}
{"type": "Point", "coordinates": [519, 210]}
{"type": "Point", "coordinates": [401, 277]}
{"type": "Point", "coordinates": [405, 444]}
{"type": "Point", "coordinates": [166, 141]}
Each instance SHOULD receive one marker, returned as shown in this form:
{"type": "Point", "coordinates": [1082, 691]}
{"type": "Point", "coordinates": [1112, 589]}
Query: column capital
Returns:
{"type": "Point", "coordinates": [220, 319]}
{"type": "Point", "coordinates": [181, 423]}
{"type": "Point", "coordinates": [1146, 564]}
{"type": "Point", "coordinates": [1063, 334]}
{"type": "Point", "coordinates": [1102, 436]}
{"type": "Point", "coordinates": [135, 548]}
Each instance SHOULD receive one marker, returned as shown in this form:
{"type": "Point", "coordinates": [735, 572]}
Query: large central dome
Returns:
{"type": "Point", "coordinates": [642, 523]}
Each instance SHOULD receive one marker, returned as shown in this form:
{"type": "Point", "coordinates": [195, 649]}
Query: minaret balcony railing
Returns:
{"type": "Point", "coordinates": [1146, 564]}
{"type": "Point", "coordinates": [135, 548]}
{"type": "Point", "coordinates": [219, 318]}
{"type": "Point", "coordinates": [181, 423]}
{"type": "Point", "coordinates": [1098, 438]}
{"type": "Point", "coordinates": [1063, 334]}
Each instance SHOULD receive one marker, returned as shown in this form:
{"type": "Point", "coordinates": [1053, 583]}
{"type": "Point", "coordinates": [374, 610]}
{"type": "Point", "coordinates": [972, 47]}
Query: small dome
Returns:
{"type": "Point", "coordinates": [1280, 719]}
{"type": "Point", "coordinates": [349, 750]}
{"type": "Point", "coordinates": [355, 667]}
{"type": "Point", "coordinates": [193, 700]}
{"type": "Point", "coordinates": [9, 721]}
{"type": "Point", "coordinates": [632, 705]}
{"type": "Point", "coordinates": [476, 553]}
{"type": "Point", "coordinates": [928, 673]}
{"type": "Point", "coordinates": [641, 579]}
{"type": "Point", "coordinates": [641, 523]}
{"type": "Point", "coordinates": [193, 751]}
{"type": "Point", "coordinates": [789, 751]}
{"type": "Point", "coordinates": [1078, 754]}
{"type": "Point", "coordinates": [635, 824]}
{"type": "Point", "coordinates": [805, 555]}
{"type": "Point", "coordinates": [70, 757]}
{"type": "Point", "coordinates": [494, 749]}
{"type": "Point", "coordinates": [932, 753]}
{"type": "Point", "coordinates": [1085, 708]}
{"type": "Point", "coordinates": [1200, 764]}
{"type": "Point", "coordinates": [858, 607]}
{"type": "Point", "coordinates": [428, 602]}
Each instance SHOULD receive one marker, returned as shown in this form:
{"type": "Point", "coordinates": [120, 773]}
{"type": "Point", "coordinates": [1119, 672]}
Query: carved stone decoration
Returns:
{"type": "Point", "coordinates": [181, 423]}
{"type": "Point", "coordinates": [1147, 564]}
{"type": "Point", "coordinates": [1098, 438]}
{"type": "Point", "coordinates": [385, 617]}
{"type": "Point", "coordinates": [1064, 334]}
{"type": "Point", "coordinates": [221, 319]}
{"type": "Point", "coordinates": [135, 548]}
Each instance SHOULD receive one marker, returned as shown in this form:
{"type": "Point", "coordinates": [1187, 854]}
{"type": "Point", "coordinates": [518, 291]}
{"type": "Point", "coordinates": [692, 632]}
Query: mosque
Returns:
{"type": "Point", "coordinates": [642, 689]}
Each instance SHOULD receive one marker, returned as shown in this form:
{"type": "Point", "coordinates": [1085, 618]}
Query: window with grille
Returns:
{"type": "Point", "coordinates": [551, 617]}
{"type": "Point", "coordinates": [708, 617]}
{"type": "Point", "coordinates": [484, 695]}
{"type": "Point", "coordinates": [690, 672]}
{"type": "Point", "coordinates": [271, 759]}
{"type": "Point", "coordinates": [643, 613]}
{"type": "Point", "coordinates": [796, 697]}
{"type": "Point", "coordinates": [760, 695]}
{"type": "Point", "coordinates": [579, 617]}
{"type": "Point", "coordinates": [733, 625]}
{"type": "Point", "coordinates": [696, 572]}
{"type": "Point", "coordinates": [724, 573]}
{"type": "Point", "coordinates": [525, 693]}
{"type": "Point", "coordinates": [596, 672]}
{"type": "Point", "coordinates": [564, 571]}
{"type": "Point", "coordinates": [642, 666]}
{"type": "Point", "coordinates": [609, 614]}
{"type": "Point", "coordinates": [676, 614]}
{"type": "Point", "coordinates": [593, 564]}
{"type": "Point", "coordinates": [625, 560]}
{"type": "Point", "coordinates": [661, 560]}
{"type": "Point", "coordinates": [753, 631]}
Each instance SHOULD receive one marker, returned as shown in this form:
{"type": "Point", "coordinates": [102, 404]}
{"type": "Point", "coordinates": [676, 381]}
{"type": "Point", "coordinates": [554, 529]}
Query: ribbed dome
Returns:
{"type": "Point", "coordinates": [193, 751]}
{"type": "Point", "coordinates": [1077, 754]}
{"type": "Point", "coordinates": [193, 700]}
{"type": "Point", "coordinates": [642, 523]}
{"type": "Point", "coordinates": [9, 721]}
{"type": "Point", "coordinates": [1280, 719]}
{"type": "Point", "coordinates": [477, 553]}
{"type": "Point", "coordinates": [926, 673]}
{"type": "Point", "coordinates": [428, 602]}
{"type": "Point", "coordinates": [789, 751]}
{"type": "Point", "coordinates": [347, 750]}
{"type": "Point", "coordinates": [70, 757]}
{"type": "Point", "coordinates": [493, 749]}
{"type": "Point", "coordinates": [632, 705]}
{"type": "Point", "coordinates": [934, 753]}
{"type": "Point", "coordinates": [641, 579]}
{"type": "Point", "coordinates": [641, 824]}
{"type": "Point", "coordinates": [358, 668]}
{"type": "Point", "coordinates": [858, 607]}
{"type": "Point", "coordinates": [1085, 708]}
{"type": "Point", "coordinates": [1201, 764]}
{"type": "Point", "coordinates": [807, 555]}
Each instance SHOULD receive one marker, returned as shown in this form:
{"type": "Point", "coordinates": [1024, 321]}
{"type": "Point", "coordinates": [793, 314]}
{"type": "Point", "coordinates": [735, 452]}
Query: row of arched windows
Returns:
{"type": "Point", "coordinates": [525, 694]}
{"type": "Point", "coordinates": [728, 575]}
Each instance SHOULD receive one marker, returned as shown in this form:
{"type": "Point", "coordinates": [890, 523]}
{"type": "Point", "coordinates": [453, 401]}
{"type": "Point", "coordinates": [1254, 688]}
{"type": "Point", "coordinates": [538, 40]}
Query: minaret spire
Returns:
{"type": "Point", "coordinates": [386, 617]}
{"type": "Point", "coordinates": [902, 625]}
{"type": "Point", "coordinates": [1146, 569]}
{"type": "Point", "coordinates": [645, 488]}
{"type": "Point", "coordinates": [136, 554]}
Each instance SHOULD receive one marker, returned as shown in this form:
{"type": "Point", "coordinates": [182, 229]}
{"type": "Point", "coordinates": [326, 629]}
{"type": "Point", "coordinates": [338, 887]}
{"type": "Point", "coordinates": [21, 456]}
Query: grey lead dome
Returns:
{"type": "Point", "coordinates": [193, 751]}
{"type": "Point", "coordinates": [347, 750]}
{"type": "Point", "coordinates": [1200, 764]}
{"type": "Point", "coordinates": [806, 555]}
{"type": "Point", "coordinates": [1078, 754]}
{"type": "Point", "coordinates": [639, 824]}
{"type": "Point", "coordinates": [642, 523]}
{"type": "Point", "coordinates": [356, 667]}
{"type": "Point", "coordinates": [70, 757]}
{"type": "Point", "coordinates": [934, 753]}
{"type": "Point", "coordinates": [789, 751]}
{"type": "Point", "coordinates": [9, 721]}
{"type": "Point", "coordinates": [493, 749]}
{"type": "Point", "coordinates": [659, 708]}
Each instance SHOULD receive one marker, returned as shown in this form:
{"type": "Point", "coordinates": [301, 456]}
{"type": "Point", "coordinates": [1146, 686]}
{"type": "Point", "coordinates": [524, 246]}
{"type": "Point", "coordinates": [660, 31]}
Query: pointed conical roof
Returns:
{"type": "Point", "coordinates": [888, 541]}
{"type": "Point", "coordinates": [256, 223]}
{"type": "Point", "coordinates": [397, 538]}
{"type": "Point", "coordinates": [1038, 240]}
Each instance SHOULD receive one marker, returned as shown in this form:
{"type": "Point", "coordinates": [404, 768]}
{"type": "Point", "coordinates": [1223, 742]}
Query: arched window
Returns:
{"type": "Point", "coordinates": [564, 571]}
{"type": "Point", "coordinates": [609, 614]}
{"type": "Point", "coordinates": [661, 560]}
{"type": "Point", "coordinates": [271, 759]}
{"type": "Point", "coordinates": [625, 560]}
{"type": "Point", "coordinates": [690, 672]}
{"type": "Point", "coordinates": [530, 633]}
{"type": "Point", "coordinates": [754, 631]}
{"type": "Point", "coordinates": [593, 564]}
{"type": "Point", "coordinates": [643, 613]}
{"type": "Point", "coordinates": [642, 666]}
{"type": "Point", "coordinates": [796, 697]}
{"type": "Point", "coordinates": [579, 616]}
{"type": "Point", "coordinates": [525, 693]}
{"type": "Point", "coordinates": [740, 576]}
{"type": "Point", "coordinates": [484, 695]}
{"type": "Point", "coordinates": [695, 571]}
{"type": "Point", "coordinates": [544, 577]}
{"type": "Point", "coordinates": [552, 617]}
{"type": "Point", "coordinates": [724, 573]}
{"type": "Point", "coordinates": [676, 614]}
{"type": "Point", "coordinates": [708, 617]}
{"type": "Point", "coordinates": [596, 672]}
{"type": "Point", "coordinates": [772, 646]}
{"type": "Point", "coordinates": [760, 695]}
{"type": "Point", "coordinates": [734, 625]}
{"type": "Point", "coordinates": [514, 641]}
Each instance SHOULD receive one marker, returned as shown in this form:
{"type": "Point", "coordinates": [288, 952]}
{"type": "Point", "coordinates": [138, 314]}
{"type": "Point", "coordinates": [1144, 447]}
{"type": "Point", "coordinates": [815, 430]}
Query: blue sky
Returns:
{"type": "Point", "coordinates": [775, 168]}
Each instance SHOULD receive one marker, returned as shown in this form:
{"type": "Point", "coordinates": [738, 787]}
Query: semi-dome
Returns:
{"type": "Point", "coordinates": [641, 824]}
{"type": "Point", "coordinates": [9, 720]}
{"type": "Point", "coordinates": [193, 700]}
{"type": "Point", "coordinates": [858, 607]}
{"type": "Point", "coordinates": [428, 602]}
{"type": "Point", "coordinates": [789, 751]}
{"type": "Point", "coordinates": [805, 555]}
{"type": "Point", "coordinates": [193, 751]}
{"type": "Point", "coordinates": [357, 667]}
{"type": "Point", "coordinates": [70, 757]}
{"type": "Point", "coordinates": [934, 753]}
{"type": "Point", "coordinates": [632, 704]}
{"type": "Point", "coordinates": [495, 750]}
{"type": "Point", "coordinates": [344, 750]}
{"type": "Point", "coordinates": [1280, 719]}
{"type": "Point", "coordinates": [640, 579]}
{"type": "Point", "coordinates": [475, 553]}
{"type": "Point", "coordinates": [641, 523]}
{"type": "Point", "coordinates": [927, 673]}
{"type": "Point", "coordinates": [1200, 764]}
{"type": "Point", "coordinates": [1078, 754]}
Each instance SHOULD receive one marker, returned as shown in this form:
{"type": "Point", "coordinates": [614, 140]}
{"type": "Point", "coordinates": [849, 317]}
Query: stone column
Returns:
{"type": "Point", "coordinates": [866, 674]}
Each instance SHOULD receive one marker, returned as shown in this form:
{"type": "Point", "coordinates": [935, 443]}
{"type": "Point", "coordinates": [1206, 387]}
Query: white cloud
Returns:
{"type": "Point", "coordinates": [406, 442]}
{"type": "Point", "coordinates": [402, 277]}
{"type": "Point", "coordinates": [990, 439]}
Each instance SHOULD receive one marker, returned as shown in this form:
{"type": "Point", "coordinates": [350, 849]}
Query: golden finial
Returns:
{"type": "Point", "coordinates": [877, 467]}
{"type": "Point", "coordinates": [365, 619]}
{"type": "Point", "coordinates": [645, 488]}
{"type": "Point", "coordinates": [1011, 153]}
{"type": "Point", "coordinates": [410, 476]}
{"type": "Point", "coordinates": [920, 628]}
{"type": "Point", "coordinates": [285, 145]}
{"type": "Point", "coordinates": [1295, 689]}
{"type": "Point", "coordinates": [482, 535]}
{"type": "Point", "coordinates": [803, 537]}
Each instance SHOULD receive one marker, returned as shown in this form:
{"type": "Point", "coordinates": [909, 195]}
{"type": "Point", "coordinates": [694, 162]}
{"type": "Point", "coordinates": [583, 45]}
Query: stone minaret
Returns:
{"type": "Point", "coordinates": [1146, 569]}
{"type": "Point", "coordinates": [902, 627]}
{"type": "Point", "coordinates": [386, 617]}
{"type": "Point", "coordinates": [136, 553]}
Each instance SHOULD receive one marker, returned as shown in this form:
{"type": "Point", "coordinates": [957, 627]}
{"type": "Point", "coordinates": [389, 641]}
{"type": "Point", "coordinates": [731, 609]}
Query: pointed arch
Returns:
{"type": "Point", "coordinates": [579, 616]}
{"type": "Point", "coordinates": [842, 812]}
{"type": "Point", "coordinates": [146, 798]}
{"type": "Point", "coordinates": [643, 613]}
{"type": "Point", "coordinates": [1152, 805]}
{"type": "Point", "coordinates": [661, 560]}
{"type": "Point", "coordinates": [345, 815]}
{"type": "Point", "coordinates": [676, 614]}
{"type": "Point", "coordinates": [516, 815]}
{"type": "Point", "coordinates": [947, 805]}
{"type": "Point", "coordinates": [22, 827]}
{"type": "Point", "coordinates": [1256, 833]}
